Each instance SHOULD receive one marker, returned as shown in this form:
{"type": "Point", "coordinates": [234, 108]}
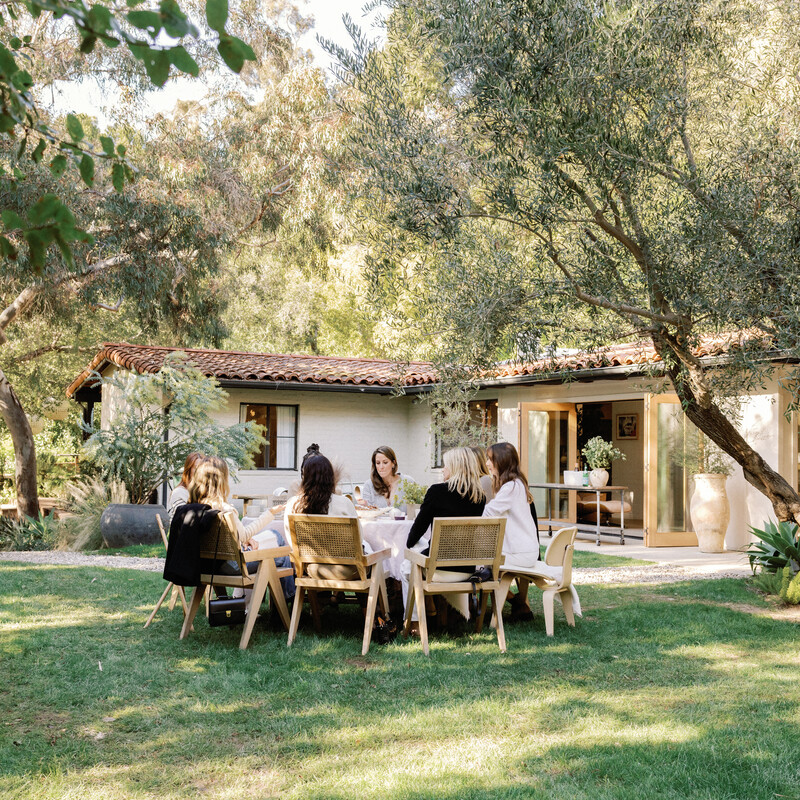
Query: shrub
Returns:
{"type": "Point", "coordinates": [778, 547]}
{"type": "Point", "coordinates": [28, 533]}
{"type": "Point", "coordinates": [159, 420]}
{"type": "Point", "coordinates": [768, 582]}
{"type": "Point", "coordinates": [790, 586]}
{"type": "Point", "coordinates": [85, 502]}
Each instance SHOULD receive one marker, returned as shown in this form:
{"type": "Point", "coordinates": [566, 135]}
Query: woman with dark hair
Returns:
{"type": "Point", "coordinates": [180, 494]}
{"type": "Point", "coordinates": [317, 491]}
{"type": "Point", "coordinates": [513, 501]}
{"type": "Point", "coordinates": [384, 486]}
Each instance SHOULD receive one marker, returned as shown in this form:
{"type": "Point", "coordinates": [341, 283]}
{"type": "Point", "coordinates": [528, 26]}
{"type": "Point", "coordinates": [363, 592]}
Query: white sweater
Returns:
{"type": "Point", "coordinates": [511, 502]}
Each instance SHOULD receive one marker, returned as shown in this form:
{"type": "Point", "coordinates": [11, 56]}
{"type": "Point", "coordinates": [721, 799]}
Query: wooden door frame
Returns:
{"type": "Point", "coordinates": [572, 443]}
{"type": "Point", "coordinates": [652, 537]}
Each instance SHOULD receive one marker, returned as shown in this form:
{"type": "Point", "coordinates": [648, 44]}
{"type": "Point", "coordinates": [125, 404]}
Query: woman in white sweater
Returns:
{"type": "Point", "coordinates": [513, 501]}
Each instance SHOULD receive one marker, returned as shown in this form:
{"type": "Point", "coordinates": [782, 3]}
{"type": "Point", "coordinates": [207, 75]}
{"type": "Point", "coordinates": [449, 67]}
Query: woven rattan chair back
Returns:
{"type": "Point", "coordinates": [319, 539]}
{"type": "Point", "coordinates": [468, 541]}
{"type": "Point", "coordinates": [221, 541]}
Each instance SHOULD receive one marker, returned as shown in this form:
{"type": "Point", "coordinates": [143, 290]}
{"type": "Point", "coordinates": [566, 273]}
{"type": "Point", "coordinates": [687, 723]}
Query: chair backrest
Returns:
{"type": "Point", "coordinates": [468, 542]}
{"type": "Point", "coordinates": [320, 539]}
{"type": "Point", "coordinates": [221, 541]}
{"type": "Point", "coordinates": [559, 552]}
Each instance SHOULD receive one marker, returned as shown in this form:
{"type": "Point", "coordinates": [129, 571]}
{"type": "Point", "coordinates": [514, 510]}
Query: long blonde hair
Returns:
{"type": "Point", "coordinates": [210, 483]}
{"type": "Point", "coordinates": [465, 474]}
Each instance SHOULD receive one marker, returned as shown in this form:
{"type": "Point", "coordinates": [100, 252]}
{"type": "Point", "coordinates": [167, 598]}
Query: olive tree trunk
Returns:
{"type": "Point", "coordinates": [24, 449]}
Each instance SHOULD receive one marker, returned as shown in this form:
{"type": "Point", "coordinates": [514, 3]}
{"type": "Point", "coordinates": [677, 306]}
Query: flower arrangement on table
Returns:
{"type": "Point", "coordinates": [410, 492]}
{"type": "Point", "coordinates": [599, 453]}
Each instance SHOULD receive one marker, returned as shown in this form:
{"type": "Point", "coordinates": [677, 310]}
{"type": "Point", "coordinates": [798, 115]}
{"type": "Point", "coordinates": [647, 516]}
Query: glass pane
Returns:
{"type": "Point", "coordinates": [284, 441]}
{"type": "Point", "coordinates": [676, 436]}
{"type": "Point", "coordinates": [257, 412]}
{"type": "Point", "coordinates": [548, 451]}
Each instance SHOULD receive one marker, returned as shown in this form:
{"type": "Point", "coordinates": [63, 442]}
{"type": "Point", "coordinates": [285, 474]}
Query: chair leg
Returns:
{"type": "Point", "coordinates": [276, 594]}
{"type": "Point", "coordinates": [372, 603]}
{"type": "Point", "coordinates": [182, 598]}
{"type": "Point", "coordinates": [501, 633]}
{"type": "Point", "coordinates": [500, 597]}
{"type": "Point", "coordinates": [419, 596]}
{"type": "Point", "coordinates": [548, 596]}
{"type": "Point", "coordinates": [410, 599]}
{"type": "Point", "coordinates": [173, 598]}
{"type": "Point", "coordinates": [158, 604]}
{"type": "Point", "coordinates": [296, 611]}
{"type": "Point", "coordinates": [566, 601]}
{"type": "Point", "coordinates": [254, 603]}
{"type": "Point", "coordinates": [315, 613]}
{"type": "Point", "coordinates": [481, 612]}
{"type": "Point", "coordinates": [197, 597]}
{"type": "Point", "coordinates": [384, 595]}
{"type": "Point", "coordinates": [207, 597]}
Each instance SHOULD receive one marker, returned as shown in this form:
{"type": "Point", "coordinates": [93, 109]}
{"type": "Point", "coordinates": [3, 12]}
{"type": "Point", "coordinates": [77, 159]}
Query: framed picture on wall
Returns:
{"type": "Point", "coordinates": [627, 426]}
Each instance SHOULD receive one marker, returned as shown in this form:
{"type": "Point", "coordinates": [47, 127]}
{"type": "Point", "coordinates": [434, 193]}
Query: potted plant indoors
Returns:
{"type": "Point", "coordinates": [599, 454]}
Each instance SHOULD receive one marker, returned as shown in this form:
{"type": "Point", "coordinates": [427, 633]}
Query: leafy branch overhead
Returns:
{"type": "Point", "coordinates": [153, 36]}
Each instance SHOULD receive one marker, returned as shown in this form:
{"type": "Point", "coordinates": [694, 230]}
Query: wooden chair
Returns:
{"type": "Point", "coordinates": [221, 542]}
{"type": "Point", "coordinates": [553, 576]}
{"type": "Point", "coordinates": [328, 555]}
{"type": "Point", "coordinates": [177, 591]}
{"type": "Point", "coordinates": [464, 542]}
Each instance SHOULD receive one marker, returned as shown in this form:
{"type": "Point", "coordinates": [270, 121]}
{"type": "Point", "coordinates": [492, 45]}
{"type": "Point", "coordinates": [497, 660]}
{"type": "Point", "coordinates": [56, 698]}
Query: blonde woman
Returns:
{"type": "Point", "coordinates": [460, 495]}
{"type": "Point", "coordinates": [180, 494]}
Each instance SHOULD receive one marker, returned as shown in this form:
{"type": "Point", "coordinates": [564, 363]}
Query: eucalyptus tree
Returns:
{"type": "Point", "coordinates": [644, 153]}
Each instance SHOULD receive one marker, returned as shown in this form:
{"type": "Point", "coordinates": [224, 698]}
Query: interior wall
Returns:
{"type": "Point", "coordinates": [630, 472]}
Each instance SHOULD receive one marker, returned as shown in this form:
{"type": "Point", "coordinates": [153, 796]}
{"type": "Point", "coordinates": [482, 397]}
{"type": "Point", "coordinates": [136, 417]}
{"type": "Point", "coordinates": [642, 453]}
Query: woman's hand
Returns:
{"type": "Point", "coordinates": [250, 544]}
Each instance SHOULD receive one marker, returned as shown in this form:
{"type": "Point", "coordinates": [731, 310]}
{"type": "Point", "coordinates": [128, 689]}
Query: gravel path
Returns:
{"type": "Point", "coordinates": [649, 573]}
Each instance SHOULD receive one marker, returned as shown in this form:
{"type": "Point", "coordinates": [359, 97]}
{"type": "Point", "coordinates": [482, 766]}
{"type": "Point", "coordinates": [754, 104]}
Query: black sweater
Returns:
{"type": "Point", "coordinates": [441, 502]}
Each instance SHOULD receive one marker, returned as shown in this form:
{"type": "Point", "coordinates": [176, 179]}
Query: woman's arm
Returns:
{"type": "Point", "coordinates": [427, 511]}
{"type": "Point", "coordinates": [501, 503]}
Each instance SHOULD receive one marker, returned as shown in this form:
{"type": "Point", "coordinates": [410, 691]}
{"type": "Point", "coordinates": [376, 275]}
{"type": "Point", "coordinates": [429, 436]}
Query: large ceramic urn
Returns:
{"type": "Point", "coordinates": [710, 511]}
{"type": "Point", "coordinates": [124, 524]}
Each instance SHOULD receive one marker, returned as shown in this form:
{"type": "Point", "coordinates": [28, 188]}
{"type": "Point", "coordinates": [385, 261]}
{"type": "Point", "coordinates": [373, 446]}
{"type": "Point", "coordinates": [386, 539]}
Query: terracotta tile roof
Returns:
{"type": "Point", "coordinates": [631, 354]}
{"type": "Point", "coordinates": [333, 371]}
{"type": "Point", "coordinates": [232, 365]}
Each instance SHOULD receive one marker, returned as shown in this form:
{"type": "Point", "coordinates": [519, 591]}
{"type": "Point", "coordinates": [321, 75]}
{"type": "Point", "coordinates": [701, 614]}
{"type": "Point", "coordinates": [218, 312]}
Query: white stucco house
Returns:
{"type": "Point", "coordinates": [349, 406]}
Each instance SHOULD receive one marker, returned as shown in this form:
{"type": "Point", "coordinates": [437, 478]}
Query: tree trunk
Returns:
{"type": "Point", "coordinates": [24, 449]}
{"type": "Point", "coordinates": [710, 419]}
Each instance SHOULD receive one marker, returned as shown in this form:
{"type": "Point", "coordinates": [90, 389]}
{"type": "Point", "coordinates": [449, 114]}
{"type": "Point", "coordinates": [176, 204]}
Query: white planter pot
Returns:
{"type": "Point", "coordinates": [598, 478]}
{"type": "Point", "coordinates": [411, 510]}
{"type": "Point", "coordinates": [710, 511]}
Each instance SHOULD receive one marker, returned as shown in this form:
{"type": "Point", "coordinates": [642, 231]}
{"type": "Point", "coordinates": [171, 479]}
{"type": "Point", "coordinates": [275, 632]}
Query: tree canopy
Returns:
{"type": "Point", "coordinates": [642, 155]}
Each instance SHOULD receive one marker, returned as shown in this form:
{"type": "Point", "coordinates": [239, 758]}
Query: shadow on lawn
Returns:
{"type": "Point", "coordinates": [166, 698]}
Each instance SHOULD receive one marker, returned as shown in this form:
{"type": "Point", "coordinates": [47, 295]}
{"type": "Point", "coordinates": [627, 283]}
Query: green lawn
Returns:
{"type": "Point", "coordinates": [661, 691]}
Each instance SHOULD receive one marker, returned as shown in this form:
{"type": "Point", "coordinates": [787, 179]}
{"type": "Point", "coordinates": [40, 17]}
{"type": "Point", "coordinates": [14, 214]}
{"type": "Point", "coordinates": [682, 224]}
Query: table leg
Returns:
{"type": "Point", "coordinates": [597, 529]}
{"type": "Point", "coordinates": [621, 517]}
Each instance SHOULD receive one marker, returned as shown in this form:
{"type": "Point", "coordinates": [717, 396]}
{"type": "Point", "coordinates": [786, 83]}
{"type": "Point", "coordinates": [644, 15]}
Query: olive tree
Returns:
{"type": "Point", "coordinates": [642, 153]}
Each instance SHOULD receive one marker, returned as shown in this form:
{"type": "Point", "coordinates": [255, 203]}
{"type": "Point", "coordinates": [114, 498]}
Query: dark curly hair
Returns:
{"type": "Point", "coordinates": [378, 482]}
{"type": "Point", "coordinates": [316, 487]}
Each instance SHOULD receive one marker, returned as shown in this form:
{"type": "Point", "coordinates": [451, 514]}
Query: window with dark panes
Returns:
{"type": "Point", "coordinates": [279, 425]}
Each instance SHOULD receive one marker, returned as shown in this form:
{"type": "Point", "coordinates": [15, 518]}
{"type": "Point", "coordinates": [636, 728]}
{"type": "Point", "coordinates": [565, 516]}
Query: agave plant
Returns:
{"type": "Point", "coordinates": [778, 547]}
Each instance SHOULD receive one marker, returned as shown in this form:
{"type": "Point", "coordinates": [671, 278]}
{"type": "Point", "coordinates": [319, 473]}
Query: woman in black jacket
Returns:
{"type": "Point", "coordinates": [461, 494]}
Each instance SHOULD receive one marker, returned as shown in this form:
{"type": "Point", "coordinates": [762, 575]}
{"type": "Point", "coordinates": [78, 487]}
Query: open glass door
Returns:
{"type": "Point", "coordinates": [667, 431]}
{"type": "Point", "coordinates": [547, 446]}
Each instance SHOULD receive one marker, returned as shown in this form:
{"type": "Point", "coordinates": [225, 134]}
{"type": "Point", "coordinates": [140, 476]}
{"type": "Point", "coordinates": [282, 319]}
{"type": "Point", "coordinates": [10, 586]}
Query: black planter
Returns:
{"type": "Point", "coordinates": [124, 524]}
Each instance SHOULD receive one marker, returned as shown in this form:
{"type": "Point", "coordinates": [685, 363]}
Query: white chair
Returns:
{"type": "Point", "coordinates": [553, 576]}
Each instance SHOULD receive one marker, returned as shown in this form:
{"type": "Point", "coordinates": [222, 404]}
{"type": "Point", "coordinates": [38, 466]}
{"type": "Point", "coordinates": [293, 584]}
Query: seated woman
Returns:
{"type": "Point", "coordinates": [180, 494]}
{"type": "Point", "coordinates": [317, 496]}
{"type": "Point", "coordinates": [460, 495]}
{"type": "Point", "coordinates": [513, 501]}
{"type": "Point", "coordinates": [211, 486]}
{"type": "Point", "coordinates": [486, 478]}
{"type": "Point", "coordinates": [384, 486]}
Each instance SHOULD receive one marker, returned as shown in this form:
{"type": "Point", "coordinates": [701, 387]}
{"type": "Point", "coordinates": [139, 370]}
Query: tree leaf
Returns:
{"type": "Point", "coordinates": [157, 66]}
{"type": "Point", "coordinates": [74, 128]}
{"type": "Point", "coordinates": [7, 249]}
{"type": "Point", "coordinates": [86, 168]}
{"type": "Point", "coordinates": [44, 209]}
{"type": "Point", "coordinates": [217, 15]}
{"type": "Point", "coordinates": [108, 145]}
{"type": "Point", "coordinates": [183, 61]}
{"type": "Point", "coordinates": [12, 220]}
{"type": "Point", "coordinates": [36, 155]}
{"type": "Point", "coordinates": [231, 53]}
{"type": "Point", "coordinates": [146, 21]}
{"type": "Point", "coordinates": [58, 165]}
{"type": "Point", "coordinates": [118, 177]}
